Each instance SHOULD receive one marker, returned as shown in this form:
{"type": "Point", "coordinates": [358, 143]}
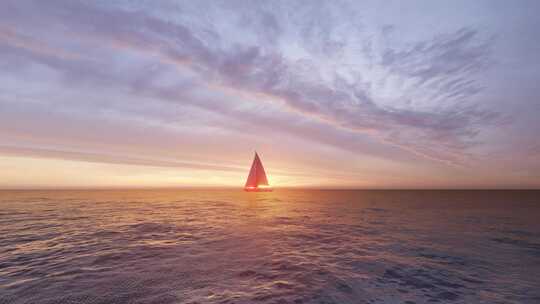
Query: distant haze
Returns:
{"type": "Point", "coordinates": [371, 94]}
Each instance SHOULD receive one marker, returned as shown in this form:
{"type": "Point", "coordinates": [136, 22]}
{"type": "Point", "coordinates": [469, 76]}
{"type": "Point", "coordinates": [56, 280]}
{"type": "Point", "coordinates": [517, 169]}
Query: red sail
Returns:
{"type": "Point", "coordinates": [257, 176]}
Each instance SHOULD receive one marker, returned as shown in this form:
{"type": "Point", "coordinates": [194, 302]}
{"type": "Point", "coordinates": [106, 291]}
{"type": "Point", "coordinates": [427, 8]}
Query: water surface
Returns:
{"type": "Point", "coordinates": [309, 246]}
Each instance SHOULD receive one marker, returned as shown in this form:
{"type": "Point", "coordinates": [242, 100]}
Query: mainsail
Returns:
{"type": "Point", "coordinates": [257, 176]}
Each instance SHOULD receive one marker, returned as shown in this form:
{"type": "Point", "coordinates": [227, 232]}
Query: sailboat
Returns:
{"type": "Point", "coordinates": [257, 181]}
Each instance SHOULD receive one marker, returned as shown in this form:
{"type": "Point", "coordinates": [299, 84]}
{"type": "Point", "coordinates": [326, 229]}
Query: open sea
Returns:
{"type": "Point", "coordinates": [286, 246]}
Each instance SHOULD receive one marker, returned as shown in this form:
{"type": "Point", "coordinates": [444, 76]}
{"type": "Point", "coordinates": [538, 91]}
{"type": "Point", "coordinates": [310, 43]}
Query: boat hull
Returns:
{"type": "Point", "coordinates": [258, 189]}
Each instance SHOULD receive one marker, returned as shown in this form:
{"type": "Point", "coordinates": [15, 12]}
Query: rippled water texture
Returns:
{"type": "Point", "coordinates": [198, 246]}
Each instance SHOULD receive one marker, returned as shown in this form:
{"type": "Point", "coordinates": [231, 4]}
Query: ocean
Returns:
{"type": "Point", "coordinates": [286, 246]}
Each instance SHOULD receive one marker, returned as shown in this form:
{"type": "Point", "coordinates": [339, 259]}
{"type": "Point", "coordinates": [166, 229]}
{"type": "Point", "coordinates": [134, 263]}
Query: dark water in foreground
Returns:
{"type": "Point", "coordinates": [197, 246]}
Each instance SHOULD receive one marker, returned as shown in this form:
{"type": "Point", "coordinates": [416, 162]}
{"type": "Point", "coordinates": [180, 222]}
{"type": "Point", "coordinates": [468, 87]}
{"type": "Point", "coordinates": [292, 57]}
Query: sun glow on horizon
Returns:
{"type": "Point", "coordinates": [36, 172]}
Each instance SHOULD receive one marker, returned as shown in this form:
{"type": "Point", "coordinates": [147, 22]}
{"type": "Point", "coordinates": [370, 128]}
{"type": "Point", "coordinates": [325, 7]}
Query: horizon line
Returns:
{"type": "Point", "coordinates": [329, 188]}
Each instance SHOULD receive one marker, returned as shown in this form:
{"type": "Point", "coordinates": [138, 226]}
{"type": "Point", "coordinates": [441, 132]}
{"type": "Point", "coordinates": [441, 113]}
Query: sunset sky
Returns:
{"type": "Point", "coordinates": [377, 94]}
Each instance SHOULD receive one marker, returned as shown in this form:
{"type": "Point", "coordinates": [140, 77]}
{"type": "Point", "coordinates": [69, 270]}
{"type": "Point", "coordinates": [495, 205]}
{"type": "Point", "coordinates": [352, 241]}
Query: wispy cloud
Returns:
{"type": "Point", "coordinates": [112, 159]}
{"type": "Point", "coordinates": [447, 64]}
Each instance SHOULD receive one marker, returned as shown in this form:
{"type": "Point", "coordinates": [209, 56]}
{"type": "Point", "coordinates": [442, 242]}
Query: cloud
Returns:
{"type": "Point", "coordinates": [112, 159]}
{"type": "Point", "coordinates": [440, 71]}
